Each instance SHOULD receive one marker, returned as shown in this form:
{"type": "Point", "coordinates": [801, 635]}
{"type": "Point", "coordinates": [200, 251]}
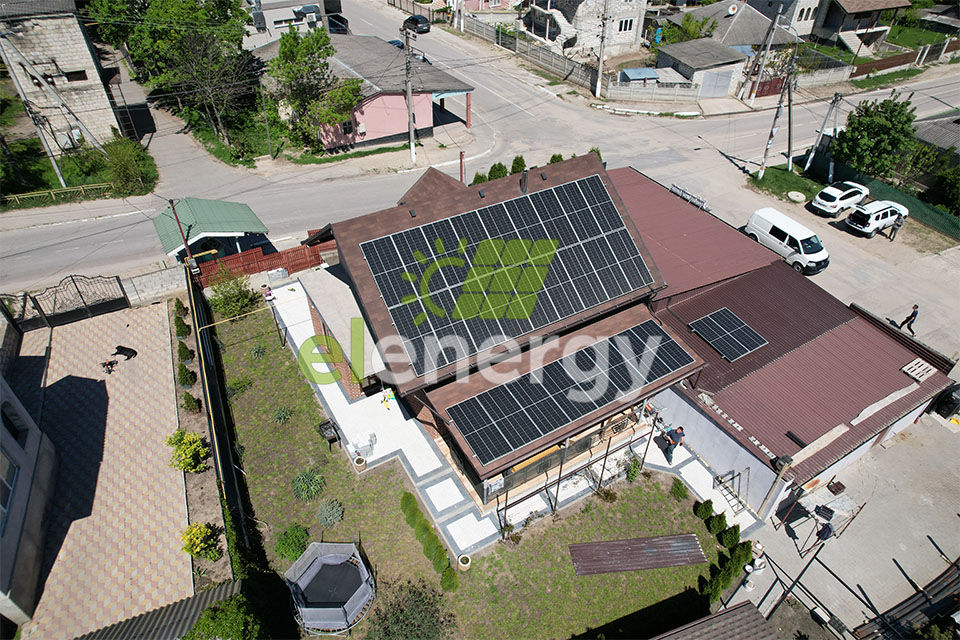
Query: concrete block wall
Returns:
{"type": "Point", "coordinates": [158, 285]}
{"type": "Point", "coordinates": [57, 45]}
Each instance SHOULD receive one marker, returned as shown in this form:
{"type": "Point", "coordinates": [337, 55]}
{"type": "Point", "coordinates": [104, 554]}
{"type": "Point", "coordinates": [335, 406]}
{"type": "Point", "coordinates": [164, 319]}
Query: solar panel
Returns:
{"type": "Point", "coordinates": [509, 416]}
{"type": "Point", "coordinates": [728, 334]}
{"type": "Point", "coordinates": [487, 276]}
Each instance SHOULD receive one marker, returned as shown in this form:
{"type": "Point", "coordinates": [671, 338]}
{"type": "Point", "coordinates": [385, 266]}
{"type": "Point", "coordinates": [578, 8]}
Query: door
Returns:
{"type": "Point", "coordinates": [716, 84]}
{"type": "Point", "coordinates": [779, 243]}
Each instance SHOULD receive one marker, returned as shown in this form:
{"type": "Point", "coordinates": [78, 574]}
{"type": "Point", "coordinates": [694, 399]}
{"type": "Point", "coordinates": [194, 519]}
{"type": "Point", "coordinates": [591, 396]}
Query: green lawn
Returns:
{"type": "Point", "coordinates": [913, 37]}
{"type": "Point", "coordinates": [885, 78]}
{"type": "Point", "coordinates": [840, 53]}
{"type": "Point", "coordinates": [778, 181]}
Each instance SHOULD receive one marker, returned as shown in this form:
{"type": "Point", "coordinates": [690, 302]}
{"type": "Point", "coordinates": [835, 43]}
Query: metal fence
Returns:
{"type": "Point", "coordinates": [415, 8]}
{"type": "Point", "coordinates": [924, 55]}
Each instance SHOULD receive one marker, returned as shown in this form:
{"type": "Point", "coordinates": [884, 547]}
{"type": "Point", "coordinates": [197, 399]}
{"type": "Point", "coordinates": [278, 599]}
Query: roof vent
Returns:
{"type": "Point", "coordinates": [543, 176]}
{"type": "Point", "coordinates": [413, 214]}
{"type": "Point", "coordinates": [523, 182]}
{"type": "Point", "coordinates": [919, 370]}
{"type": "Point", "coordinates": [481, 193]}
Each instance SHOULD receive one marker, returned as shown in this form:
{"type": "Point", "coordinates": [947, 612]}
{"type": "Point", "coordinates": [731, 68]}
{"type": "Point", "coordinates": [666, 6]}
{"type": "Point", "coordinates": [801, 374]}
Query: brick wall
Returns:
{"type": "Point", "coordinates": [347, 383]}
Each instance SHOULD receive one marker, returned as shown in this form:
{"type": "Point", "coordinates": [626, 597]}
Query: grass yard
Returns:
{"type": "Point", "coordinates": [840, 53]}
{"type": "Point", "coordinates": [778, 181]}
{"type": "Point", "coordinates": [885, 79]}
{"type": "Point", "coordinates": [531, 591]}
{"type": "Point", "coordinates": [913, 37]}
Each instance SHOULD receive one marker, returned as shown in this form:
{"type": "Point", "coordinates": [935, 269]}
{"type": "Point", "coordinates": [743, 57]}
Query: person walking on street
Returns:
{"type": "Point", "coordinates": [674, 440]}
{"type": "Point", "coordinates": [910, 318]}
{"type": "Point", "coordinates": [896, 227]}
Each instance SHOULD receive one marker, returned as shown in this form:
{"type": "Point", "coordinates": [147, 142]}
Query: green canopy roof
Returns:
{"type": "Point", "coordinates": [204, 218]}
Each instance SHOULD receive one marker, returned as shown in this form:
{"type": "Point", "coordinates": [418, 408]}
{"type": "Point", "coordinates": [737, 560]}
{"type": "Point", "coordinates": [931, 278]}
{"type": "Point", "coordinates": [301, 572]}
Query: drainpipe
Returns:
{"type": "Point", "coordinates": [784, 463]}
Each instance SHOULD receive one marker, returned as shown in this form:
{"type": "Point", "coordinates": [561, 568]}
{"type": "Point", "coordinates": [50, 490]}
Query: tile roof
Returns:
{"type": "Point", "coordinates": [443, 397]}
{"type": "Point", "coordinates": [199, 217]}
{"type": "Point", "coordinates": [691, 247]}
{"type": "Point", "coordinates": [443, 203]}
{"type": "Point", "coordinates": [380, 65]}
{"type": "Point", "coordinates": [739, 622]}
{"type": "Point", "coordinates": [431, 184]}
{"type": "Point", "coordinates": [745, 26]}
{"type": "Point", "coordinates": [704, 53]}
{"type": "Point", "coordinates": [849, 376]}
{"type": "Point", "coordinates": [861, 6]}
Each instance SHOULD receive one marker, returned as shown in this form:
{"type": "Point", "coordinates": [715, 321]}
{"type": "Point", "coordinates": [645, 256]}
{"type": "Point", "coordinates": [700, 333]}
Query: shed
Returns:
{"type": "Point", "coordinates": [640, 74]}
{"type": "Point", "coordinates": [201, 219]}
{"type": "Point", "coordinates": [705, 62]}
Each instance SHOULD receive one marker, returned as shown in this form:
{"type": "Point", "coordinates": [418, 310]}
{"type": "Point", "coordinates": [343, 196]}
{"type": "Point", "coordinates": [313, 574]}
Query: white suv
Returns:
{"type": "Point", "coordinates": [833, 200]}
{"type": "Point", "coordinates": [875, 216]}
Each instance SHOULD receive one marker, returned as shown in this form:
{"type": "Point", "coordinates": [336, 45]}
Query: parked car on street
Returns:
{"type": "Point", "coordinates": [799, 246]}
{"type": "Point", "coordinates": [873, 217]}
{"type": "Point", "coordinates": [417, 24]}
{"type": "Point", "coordinates": [838, 197]}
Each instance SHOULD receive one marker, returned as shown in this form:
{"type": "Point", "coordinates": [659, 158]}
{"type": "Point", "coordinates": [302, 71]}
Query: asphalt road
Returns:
{"type": "Point", "coordinates": [515, 111]}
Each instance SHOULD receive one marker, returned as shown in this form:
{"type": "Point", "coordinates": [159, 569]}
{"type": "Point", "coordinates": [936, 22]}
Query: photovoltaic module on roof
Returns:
{"type": "Point", "coordinates": [464, 284]}
{"type": "Point", "coordinates": [728, 334]}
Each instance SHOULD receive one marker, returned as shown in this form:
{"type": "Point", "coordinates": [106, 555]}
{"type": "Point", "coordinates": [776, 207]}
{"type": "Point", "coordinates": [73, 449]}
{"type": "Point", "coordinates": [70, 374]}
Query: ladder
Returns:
{"type": "Point", "coordinates": [729, 486]}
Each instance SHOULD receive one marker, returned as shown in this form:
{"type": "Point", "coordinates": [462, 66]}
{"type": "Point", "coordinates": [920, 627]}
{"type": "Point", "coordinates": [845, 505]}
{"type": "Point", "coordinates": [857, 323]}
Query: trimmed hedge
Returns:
{"type": "Point", "coordinates": [730, 537]}
{"type": "Point", "coordinates": [433, 549]}
{"type": "Point", "coordinates": [703, 510]}
{"type": "Point", "coordinates": [717, 523]}
{"type": "Point", "coordinates": [449, 581]}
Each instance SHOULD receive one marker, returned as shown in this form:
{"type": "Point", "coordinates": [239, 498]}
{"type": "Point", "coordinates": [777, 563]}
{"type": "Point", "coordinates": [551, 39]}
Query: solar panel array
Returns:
{"type": "Point", "coordinates": [596, 260]}
{"type": "Point", "coordinates": [729, 335]}
{"type": "Point", "coordinates": [509, 416]}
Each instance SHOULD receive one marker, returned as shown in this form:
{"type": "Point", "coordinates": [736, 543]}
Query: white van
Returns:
{"type": "Point", "coordinates": [799, 246]}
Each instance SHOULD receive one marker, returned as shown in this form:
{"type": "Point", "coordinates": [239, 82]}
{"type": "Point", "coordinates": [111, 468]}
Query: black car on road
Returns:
{"type": "Point", "coordinates": [417, 24]}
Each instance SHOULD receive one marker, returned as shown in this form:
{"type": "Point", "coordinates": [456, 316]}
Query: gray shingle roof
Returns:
{"type": "Point", "coordinates": [23, 8]}
{"type": "Point", "coordinates": [379, 64]}
{"type": "Point", "coordinates": [745, 26]}
{"type": "Point", "coordinates": [941, 131]}
{"type": "Point", "coordinates": [740, 622]}
{"type": "Point", "coordinates": [702, 54]}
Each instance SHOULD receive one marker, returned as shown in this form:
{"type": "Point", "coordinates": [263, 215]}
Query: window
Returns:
{"type": "Point", "coordinates": [626, 25]}
{"type": "Point", "coordinates": [793, 244]}
{"type": "Point", "coordinates": [815, 9]}
{"type": "Point", "coordinates": [8, 476]}
{"type": "Point", "coordinates": [347, 127]}
{"type": "Point", "coordinates": [778, 233]}
{"type": "Point", "coordinates": [13, 424]}
{"type": "Point", "coordinates": [75, 76]}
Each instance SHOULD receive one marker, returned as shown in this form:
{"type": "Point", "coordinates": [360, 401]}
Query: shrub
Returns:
{"type": "Point", "coordinates": [179, 308]}
{"type": "Point", "coordinates": [711, 587]}
{"type": "Point", "coordinates": [449, 580]}
{"type": "Point", "coordinates": [190, 403]}
{"type": "Point", "coordinates": [430, 545]}
{"type": "Point", "coordinates": [200, 541]}
{"type": "Point", "coordinates": [181, 328]}
{"type": "Point", "coordinates": [633, 471]}
{"type": "Point", "coordinates": [607, 494]}
{"type": "Point", "coordinates": [411, 610]}
{"type": "Point", "coordinates": [292, 542]}
{"type": "Point", "coordinates": [730, 537]}
{"type": "Point", "coordinates": [408, 502]}
{"type": "Point", "coordinates": [330, 512]}
{"type": "Point", "coordinates": [440, 560]}
{"type": "Point", "coordinates": [307, 485]}
{"type": "Point", "coordinates": [742, 553]}
{"type": "Point", "coordinates": [497, 170]}
{"type": "Point", "coordinates": [703, 510]}
{"type": "Point", "coordinates": [232, 294]}
{"type": "Point", "coordinates": [189, 451]}
{"type": "Point", "coordinates": [947, 189]}
{"type": "Point", "coordinates": [258, 352]}
{"type": "Point", "coordinates": [185, 377]}
{"type": "Point", "coordinates": [184, 354]}
{"type": "Point", "coordinates": [596, 151]}
{"type": "Point", "coordinates": [233, 618]}
{"type": "Point", "coordinates": [717, 523]}
{"type": "Point", "coordinates": [414, 517]}
{"type": "Point", "coordinates": [519, 164]}
{"type": "Point", "coordinates": [679, 490]}
{"type": "Point", "coordinates": [555, 158]}
{"type": "Point", "coordinates": [238, 386]}
{"type": "Point", "coordinates": [281, 415]}
{"type": "Point", "coordinates": [479, 178]}
{"type": "Point", "coordinates": [422, 530]}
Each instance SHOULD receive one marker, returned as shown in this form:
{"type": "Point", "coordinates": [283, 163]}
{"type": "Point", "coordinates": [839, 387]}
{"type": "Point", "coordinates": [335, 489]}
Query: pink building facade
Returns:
{"type": "Point", "coordinates": [380, 118]}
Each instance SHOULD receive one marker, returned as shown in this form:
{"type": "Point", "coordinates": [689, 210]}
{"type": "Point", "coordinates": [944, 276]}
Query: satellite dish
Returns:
{"type": "Point", "coordinates": [732, 9]}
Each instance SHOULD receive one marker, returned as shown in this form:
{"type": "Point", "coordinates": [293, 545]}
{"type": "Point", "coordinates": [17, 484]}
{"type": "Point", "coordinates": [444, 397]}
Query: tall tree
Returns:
{"type": "Point", "coordinates": [115, 19]}
{"type": "Point", "coordinates": [689, 29]}
{"type": "Point", "coordinates": [305, 82]}
{"type": "Point", "coordinates": [878, 134]}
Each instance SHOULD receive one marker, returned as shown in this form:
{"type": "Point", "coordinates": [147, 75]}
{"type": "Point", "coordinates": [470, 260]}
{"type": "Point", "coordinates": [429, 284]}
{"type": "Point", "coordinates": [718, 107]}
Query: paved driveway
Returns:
{"type": "Point", "coordinates": [112, 548]}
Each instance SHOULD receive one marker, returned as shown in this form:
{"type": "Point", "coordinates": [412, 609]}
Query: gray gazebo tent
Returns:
{"type": "Point", "coordinates": [331, 586]}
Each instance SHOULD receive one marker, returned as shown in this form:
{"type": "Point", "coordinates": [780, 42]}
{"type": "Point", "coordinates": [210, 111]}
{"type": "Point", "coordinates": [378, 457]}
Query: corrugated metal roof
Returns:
{"type": "Point", "coordinates": [171, 621]}
{"type": "Point", "coordinates": [860, 6]}
{"type": "Point", "coordinates": [199, 217]}
{"type": "Point", "coordinates": [26, 8]}
{"type": "Point", "coordinates": [739, 622]}
{"type": "Point", "coordinates": [691, 247]}
{"type": "Point", "coordinates": [636, 553]}
{"type": "Point", "coordinates": [941, 131]}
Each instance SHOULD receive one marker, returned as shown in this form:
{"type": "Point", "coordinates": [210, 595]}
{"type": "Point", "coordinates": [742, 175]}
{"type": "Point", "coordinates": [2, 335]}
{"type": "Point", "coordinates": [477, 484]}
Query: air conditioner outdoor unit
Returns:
{"type": "Point", "coordinates": [361, 128]}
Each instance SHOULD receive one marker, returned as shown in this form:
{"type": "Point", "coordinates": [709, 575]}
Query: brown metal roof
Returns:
{"type": "Point", "coordinates": [431, 184]}
{"type": "Point", "coordinates": [636, 553]}
{"type": "Point", "coordinates": [445, 203]}
{"type": "Point", "coordinates": [445, 396]}
{"type": "Point", "coordinates": [787, 309]}
{"type": "Point", "coordinates": [739, 622]}
{"type": "Point", "coordinates": [861, 6]}
{"type": "Point", "coordinates": [691, 247]}
{"type": "Point", "coordinates": [848, 374]}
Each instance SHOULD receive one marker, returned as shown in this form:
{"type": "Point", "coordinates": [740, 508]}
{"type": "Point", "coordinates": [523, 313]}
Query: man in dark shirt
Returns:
{"type": "Point", "coordinates": [674, 440]}
{"type": "Point", "coordinates": [910, 318]}
{"type": "Point", "coordinates": [896, 227]}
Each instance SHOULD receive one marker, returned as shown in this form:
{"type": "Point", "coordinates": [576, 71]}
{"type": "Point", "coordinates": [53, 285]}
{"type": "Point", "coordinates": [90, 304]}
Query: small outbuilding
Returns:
{"type": "Point", "coordinates": [640, 75]}
{"type": "Point", "coordinates": [213, 228]}
{"type": "Point", "coordinates": [715, 67]}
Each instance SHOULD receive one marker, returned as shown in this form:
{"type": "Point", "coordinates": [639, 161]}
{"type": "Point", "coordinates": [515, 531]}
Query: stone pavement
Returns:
{"type": "Point", "coordinates": [113, 546]}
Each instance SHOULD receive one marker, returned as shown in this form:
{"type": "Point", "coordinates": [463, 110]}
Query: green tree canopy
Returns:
{"type": "Point", "coordinates": [878, 134]}
{"type": "Point", "coordinates": [115, 19]}
{"type": "Point", "coordinates": [305, 82]}
{"type": "Point", "coordinates": [689, 29]}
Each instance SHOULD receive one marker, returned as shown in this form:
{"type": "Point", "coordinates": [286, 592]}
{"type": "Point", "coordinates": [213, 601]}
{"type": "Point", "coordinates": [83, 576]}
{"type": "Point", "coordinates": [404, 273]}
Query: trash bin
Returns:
{"type": "Point", "coordinates": [275, 275]}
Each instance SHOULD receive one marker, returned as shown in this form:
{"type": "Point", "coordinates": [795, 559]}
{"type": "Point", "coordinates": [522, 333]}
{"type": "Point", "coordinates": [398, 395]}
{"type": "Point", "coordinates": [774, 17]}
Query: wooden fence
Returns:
{"type": "Point", "coordinates": [923, 55]}
{"type": "Point", "coordinates": [66, 193]}
{"type": "Point", "coordinates": [254, 261]}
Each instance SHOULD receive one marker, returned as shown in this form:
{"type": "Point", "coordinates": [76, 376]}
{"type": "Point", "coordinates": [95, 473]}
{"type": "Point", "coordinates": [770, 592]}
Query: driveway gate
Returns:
{"type": "Point", "coordinates": [75, 298]}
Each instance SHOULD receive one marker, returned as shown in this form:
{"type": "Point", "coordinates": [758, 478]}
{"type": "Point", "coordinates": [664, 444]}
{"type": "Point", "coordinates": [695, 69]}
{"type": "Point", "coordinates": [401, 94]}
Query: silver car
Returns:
{"type": "Point", "coordinates": [838, 197]}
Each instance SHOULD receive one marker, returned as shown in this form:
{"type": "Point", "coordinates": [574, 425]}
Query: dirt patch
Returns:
{"type": "Point", "coordinates": [203, 496]}
{"type": "Point", "coordinates": [924, 239]}
{"type": "Point", "coordinates": [632, 60]}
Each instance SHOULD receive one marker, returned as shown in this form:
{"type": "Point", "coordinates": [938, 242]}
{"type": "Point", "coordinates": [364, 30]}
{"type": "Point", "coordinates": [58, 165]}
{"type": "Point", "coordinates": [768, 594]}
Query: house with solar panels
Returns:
{"type": "Point", "coordinates": [531, 321]}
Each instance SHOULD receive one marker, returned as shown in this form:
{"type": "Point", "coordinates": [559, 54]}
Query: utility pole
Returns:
{"type": "Point", "coordinates": [790, 121]}
{"type": "Point", "coordinates": [186, 246]}
{"type": "Point", "coordinates": [826, 119]}
{"type": "Point", "coordinates": [603, 39]}
{"type": "Point", "coordinates": [773, 128]}
{"type": "Point", "coordinates": [409, 82]}
{"type": "Point", "coordinates": [766, 52]}
{"type": "Point", "coordinates": [266, 121]}
{"type": "Point", "coordinates": [35, 118]}
{"type": "Point", "coordinates": [830, 172]}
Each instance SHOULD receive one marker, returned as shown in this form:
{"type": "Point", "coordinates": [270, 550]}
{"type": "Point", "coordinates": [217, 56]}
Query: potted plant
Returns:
{"type": "Point", "coordinates": [463, 562]}
{"type": "Point", "coordinates": [359, 462]}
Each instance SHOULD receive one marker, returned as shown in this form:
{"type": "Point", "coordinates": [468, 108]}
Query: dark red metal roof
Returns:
{"type": "Point", "coordinates": [787, 309]}
{"type": "Point", "coordinates": [691, 247]}
{"type": "Point", "coordinates": [739, 622]}
{"type": "Point", "coordinates": [636, 553]}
